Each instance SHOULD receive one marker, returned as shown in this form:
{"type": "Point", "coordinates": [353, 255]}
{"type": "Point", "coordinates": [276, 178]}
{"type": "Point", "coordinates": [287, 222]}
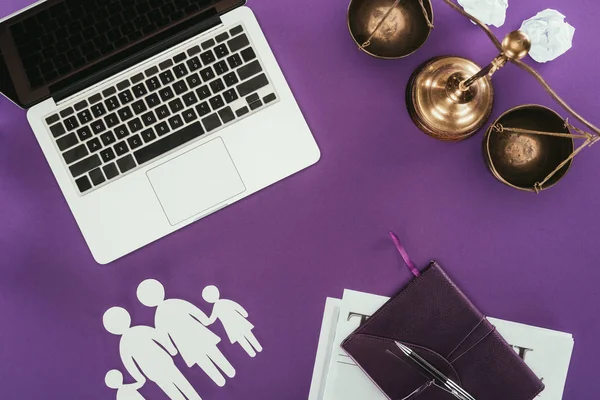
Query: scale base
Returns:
{"type": "Point", "coordinates": [437, 105]}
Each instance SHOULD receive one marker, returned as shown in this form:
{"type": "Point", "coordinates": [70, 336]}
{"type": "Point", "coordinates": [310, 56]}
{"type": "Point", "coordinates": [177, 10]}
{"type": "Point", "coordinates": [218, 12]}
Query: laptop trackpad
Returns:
{"type": "Point", "coordinates": [196, 181]}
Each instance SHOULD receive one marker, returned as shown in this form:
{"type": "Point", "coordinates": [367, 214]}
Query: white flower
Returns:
{"type": "Point", "coordinates": [490, 12]}
{"type": "Point", "coordinates": [550, 35]}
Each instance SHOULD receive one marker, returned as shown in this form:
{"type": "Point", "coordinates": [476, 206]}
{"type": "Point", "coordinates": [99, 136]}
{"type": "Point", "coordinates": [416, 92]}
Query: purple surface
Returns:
{"type": "Point", "coordinates": [281, 252]}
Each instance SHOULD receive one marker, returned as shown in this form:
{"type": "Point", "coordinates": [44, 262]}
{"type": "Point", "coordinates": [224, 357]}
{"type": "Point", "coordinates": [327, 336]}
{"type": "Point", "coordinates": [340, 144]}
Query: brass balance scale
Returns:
{"type": "Point", "coordinates": [530, 147]}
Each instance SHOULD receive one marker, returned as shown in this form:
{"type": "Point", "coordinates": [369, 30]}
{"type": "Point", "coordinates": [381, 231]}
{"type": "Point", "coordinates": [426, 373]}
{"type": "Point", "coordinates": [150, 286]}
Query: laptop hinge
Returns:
{"type": "Point", "coordinates": [136, 54]}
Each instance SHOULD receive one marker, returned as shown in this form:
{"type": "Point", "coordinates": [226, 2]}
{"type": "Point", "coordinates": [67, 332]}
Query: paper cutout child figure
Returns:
{"type": "Point", "coordinates": [186, 325]}
{"type": "Point", "coordinates": [114, 380]}
{"type": "Point", "coordinates": [142, 354]}
{"type": "Point", "coordinates": [233, 317]}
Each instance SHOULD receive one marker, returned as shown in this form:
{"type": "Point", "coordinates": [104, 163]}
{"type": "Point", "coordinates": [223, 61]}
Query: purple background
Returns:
{"type": "Point", "coordinates": [281, 252]}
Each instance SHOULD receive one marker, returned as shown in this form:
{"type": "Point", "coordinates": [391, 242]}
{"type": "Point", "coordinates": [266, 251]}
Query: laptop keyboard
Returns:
{"type": "Point", "coordinates": [73, 33]}
{"type": "Point", "coordinates": [120, 128]}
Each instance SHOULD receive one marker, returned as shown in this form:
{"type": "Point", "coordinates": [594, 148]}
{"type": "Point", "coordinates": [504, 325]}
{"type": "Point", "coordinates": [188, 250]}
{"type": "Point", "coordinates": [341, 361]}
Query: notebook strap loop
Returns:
{"type": "Point", "coordinates": [404, 255]}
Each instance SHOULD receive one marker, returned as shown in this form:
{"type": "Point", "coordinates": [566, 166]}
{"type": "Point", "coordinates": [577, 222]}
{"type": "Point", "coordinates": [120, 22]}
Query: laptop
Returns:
{"type": "Point", "coordinates": [152, 114]}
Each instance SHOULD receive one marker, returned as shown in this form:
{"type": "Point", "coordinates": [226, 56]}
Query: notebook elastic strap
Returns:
{"type": "Point", "coordinates": [404, 255]}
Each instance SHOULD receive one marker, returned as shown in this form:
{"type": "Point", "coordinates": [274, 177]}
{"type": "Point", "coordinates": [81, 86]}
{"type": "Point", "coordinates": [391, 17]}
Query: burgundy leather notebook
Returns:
{"type": "Point", "coordinates": [433, 317]}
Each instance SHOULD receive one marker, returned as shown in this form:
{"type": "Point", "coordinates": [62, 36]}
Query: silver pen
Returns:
{"type": "Point", "coordinates": [452, 386]}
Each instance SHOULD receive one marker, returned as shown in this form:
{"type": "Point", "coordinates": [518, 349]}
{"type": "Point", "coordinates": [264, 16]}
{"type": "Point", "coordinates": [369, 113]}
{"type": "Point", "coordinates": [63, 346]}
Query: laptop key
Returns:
{"type": "Point", "coordinates": [83, 184]}
{"type": "Point", "coordinates": [221, 51]}
{"type": "Point", "coordinates": [248, 54]}
{"type": "Point", "coordinates": [167, 77]}
{"type": "Point", "coordinates": [110, 171]}
{"type": "Point", "coordinates": [231, 79]}
{"type": "Point", "coordinates": [180, 87]}
{"type": "Point", "coordinates": [139, 107]}
{"type": "Point", "coordinates": [66, 112]}
{"type": "Point", "coordinates": [208, 44]}
{"type": "Point", "coordinates": [107, 155]}
{"type": "Point", "coordinates": [75, 154]}
{"type": "Point", "coordinates": [242, 111]}
{"type": "Point", "coordinates": [203, 92]}
{"type": "Point", "coordinates": [208, 57]}
{"type": "Point", "coordinates": [95, 98]}
{"type": "Point", "coordinates": [180, 71]}
{"type": "Point", "coordinates": [176, 106]}
{"type": "Point", "coordinates": [52, 119]}
{"type": "Point", "coordinates": [97, 177]}
{"type": "Point", "coordinates": [108, 138]}
{"type": "Point", "coordinates": [151, 71]}
{"type": "Point", "coordinates": [111, 120]}
{"type": "Point", "coordinates": [230, 95]}
{"type": "Point", "coordinates": [67, 141]}
{"type": "Point", "coordinates": [221, 67]}
{"type": "Point", "coordinates": [139, 90]}
{"type": "Point", "coordinates": [149, 118]}
{"type": "Point", "coordinates": [193, 81]}
{"type": "Point", "coordinates": [125, 114]}
{"type": "Point", "coordinates": [249, 70]}
{"type": "Point", "coordinates": [94, 145]}
{"type": "Point", "coordinates": [134, 142]}
{"type": "Point", "coordinates": [84, 117]}
{"type": "Point", "coordinates": [81, 105]}
{"type": "Point", "coordinates": [176, 122]}
{"type": "Point", "coordinates": [123, 85]}
{"type": "Point", "coordinates": [165, 64]}
{"type": "Point", "coordinates": [152, 100]}
{"type": "Point", "coordinates": [126, 163]}
{"type": "Point", "coordinates": [169, 143]}
{"type": "Point", "coordinates": [252, 85]}
{"type": "Point", "coordinates": [226, 115]}
{"type": "Point", "coordinates": [234, 61]}
{"type": "Point", "coordinates": [125, 97]}
{"type": "Point", "coordinates": [166, 94]}
{"type": "Point", "coordinates": [137, 78]}
{"type": "Point", "coordinates": [85, 165]}
{"type": "Point", "coordinates": [252, 98]}
{"type": "Point", "coordinates": [109, 92]}
{"type": "Point", "coordinates": [112, 103]}
{"type": "Point", "coordinates": [217, 86]}
{"type": "Point", "coordinates": [179, 57]}
{"type": "Point", "coordinates": [207, 74]}
{"type": "Point", "coordinates": [194, 64]}
{"type": "Point", "coordinates": [193, 51]}
{"type": "Point", "coordinates": [135, 125]}
{"type": "Point", "coordinates": [84, 133]}
{"type": "Point", "coordinates": [71, 123]}
{"type": "Point", "coordinates": [269, 98]}
{"type": "Point", "coordinates": [256, 104]}
{"type": "Point", "coordinates": [238, 43]}
{"type": "Point", "coordinates": [98, 127]}
{"type": "Point", "coordinates": [211, 122]}
{"type": "Point", "coordinates": [222, 37]}
{"type": "Point", "coordinates": [236, 30]}
{"type": "Point", "coordinates": [203, 109]}
{"type": "Point", "coordinates": [189, 115]}
{"type": "Point", "coordinates": [162, 112]}
{"type": "Point", "coordinates": [121, 132]}
{"type": "Point", "coordinates": [98, 110]}
{"type": "Point", "coordinates": [121, 148]}
{"type": "Point", "coordinates": [153, 84]}
{"type": "Point", "coordinates": [162, 129]}
{"type": "Point", "coordinates": [190, 99]}
{"type": "Point", "coordinates": [148, 135]}
{"type": "Point", "coordinates": [216, 102]}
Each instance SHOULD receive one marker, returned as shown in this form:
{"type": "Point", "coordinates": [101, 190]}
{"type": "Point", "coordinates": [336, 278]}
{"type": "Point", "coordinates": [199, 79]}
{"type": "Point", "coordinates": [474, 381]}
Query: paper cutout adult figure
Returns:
{"type": "Point", "coordinates": [114, 380]}
{"type": "Point", "coordinates": [186, 325]}
{"type": "Point", "coordinates": [233, 317]}
{"type": "Point", "coordinates": [142, 354]}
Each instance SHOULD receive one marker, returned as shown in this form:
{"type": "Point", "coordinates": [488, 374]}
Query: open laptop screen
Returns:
{"type": "Point", "coordinates": [59, 39]}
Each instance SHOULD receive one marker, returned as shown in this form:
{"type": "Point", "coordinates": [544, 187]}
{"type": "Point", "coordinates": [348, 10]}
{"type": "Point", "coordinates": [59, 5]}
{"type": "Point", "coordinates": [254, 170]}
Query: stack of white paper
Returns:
{"type": "Point", "coordinates": [336, 377]}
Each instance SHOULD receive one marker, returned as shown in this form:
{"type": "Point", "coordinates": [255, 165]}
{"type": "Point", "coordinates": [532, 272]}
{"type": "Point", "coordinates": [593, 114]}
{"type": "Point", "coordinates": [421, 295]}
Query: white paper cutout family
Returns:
{"type": "Point", "coordinates": [179, 328]}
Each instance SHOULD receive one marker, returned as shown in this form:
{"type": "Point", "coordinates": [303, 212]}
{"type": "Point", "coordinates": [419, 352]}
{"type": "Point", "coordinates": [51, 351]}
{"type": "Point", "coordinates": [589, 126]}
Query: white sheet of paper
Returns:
{"type": "Point", "coordinates": [548, 353]}
{"type": "Point", "coordinates": [324, 348]}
